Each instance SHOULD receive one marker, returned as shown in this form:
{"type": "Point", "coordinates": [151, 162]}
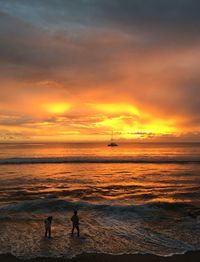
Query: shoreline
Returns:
{"type": "Point", "coordinates": [93, 257]}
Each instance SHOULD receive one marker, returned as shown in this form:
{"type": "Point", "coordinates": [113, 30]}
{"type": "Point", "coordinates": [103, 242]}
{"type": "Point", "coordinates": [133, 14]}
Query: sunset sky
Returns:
{"type": "Point", "coordinates": [74, 70]}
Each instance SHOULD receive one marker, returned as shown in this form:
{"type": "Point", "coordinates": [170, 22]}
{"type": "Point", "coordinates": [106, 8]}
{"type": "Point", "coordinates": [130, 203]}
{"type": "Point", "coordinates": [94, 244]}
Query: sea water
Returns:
{"type": "Point", "coordinates": [134, 198]}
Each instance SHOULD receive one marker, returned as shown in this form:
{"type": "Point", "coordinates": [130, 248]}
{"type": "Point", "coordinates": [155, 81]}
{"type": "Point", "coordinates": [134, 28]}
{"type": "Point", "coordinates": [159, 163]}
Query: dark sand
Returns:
{"type": "Point", "coordinates": [190, 256]}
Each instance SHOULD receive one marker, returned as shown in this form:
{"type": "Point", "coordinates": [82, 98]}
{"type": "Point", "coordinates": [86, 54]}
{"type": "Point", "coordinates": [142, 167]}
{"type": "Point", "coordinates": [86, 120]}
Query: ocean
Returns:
{"type": "Point", "coordinates": [134, 198]}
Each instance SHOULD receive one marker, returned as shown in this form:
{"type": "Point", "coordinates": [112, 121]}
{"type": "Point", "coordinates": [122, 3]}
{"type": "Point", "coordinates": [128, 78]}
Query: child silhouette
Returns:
{"type": "Point", "coordinates": [75, 223]}
{"type": "Point", "coordinates": [47, 225]}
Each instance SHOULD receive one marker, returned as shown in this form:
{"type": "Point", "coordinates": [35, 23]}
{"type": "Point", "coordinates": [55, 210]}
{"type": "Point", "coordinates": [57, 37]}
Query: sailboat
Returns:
{"type": "Point", "coordinates": [112, 143]}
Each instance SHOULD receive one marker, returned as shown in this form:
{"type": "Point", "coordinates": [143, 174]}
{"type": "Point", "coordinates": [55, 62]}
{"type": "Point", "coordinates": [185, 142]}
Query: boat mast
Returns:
{"type": "Point", "coordinates": [111, 137]}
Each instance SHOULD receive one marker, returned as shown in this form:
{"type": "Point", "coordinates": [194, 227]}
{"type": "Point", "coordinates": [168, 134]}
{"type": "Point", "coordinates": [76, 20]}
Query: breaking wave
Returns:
{"type": "Point", "coordinates": [61, 160]}
{"type": "Point", "coordinates": [104, 229]}
{"type": "Point", "coordinates": [59, 205]}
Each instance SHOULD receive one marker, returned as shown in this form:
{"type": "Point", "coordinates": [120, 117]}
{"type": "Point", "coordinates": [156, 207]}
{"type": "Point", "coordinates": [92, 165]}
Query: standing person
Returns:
{"type": "Point", "coordinates": [47, 225]}
{"type": "Point", "coordinates": [75, 223]}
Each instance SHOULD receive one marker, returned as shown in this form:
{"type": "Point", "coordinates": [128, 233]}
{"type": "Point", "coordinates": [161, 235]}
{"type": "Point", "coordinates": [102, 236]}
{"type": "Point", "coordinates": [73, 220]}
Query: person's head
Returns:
{"type": "Point", "coordinates": [75, 212]}
{"type": "Point", "coordinates": [50, 218]}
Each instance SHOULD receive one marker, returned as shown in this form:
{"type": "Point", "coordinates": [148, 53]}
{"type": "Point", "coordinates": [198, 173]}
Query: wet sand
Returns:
{"type": "Point", "coordinates": [190, 256]}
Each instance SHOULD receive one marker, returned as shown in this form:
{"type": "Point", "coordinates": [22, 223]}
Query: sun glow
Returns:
{"type": "Point", "coordinates": [62, 121]}
{"type": "Point", "coordinates": [57, 108]}
{"type": "Point", "coordinates": [129, 123]}
{"type": "Point", "coordinates": [116, 108]}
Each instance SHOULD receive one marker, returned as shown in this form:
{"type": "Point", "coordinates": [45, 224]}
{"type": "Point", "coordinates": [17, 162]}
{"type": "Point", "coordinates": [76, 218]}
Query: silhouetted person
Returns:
{"type": "Point", "coordinates": [47, 225]}
{"type": "Point", "coordinates": [75, 223]}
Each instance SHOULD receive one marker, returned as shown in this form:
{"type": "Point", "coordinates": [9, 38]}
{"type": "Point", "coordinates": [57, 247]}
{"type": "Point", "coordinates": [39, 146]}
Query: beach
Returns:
{"type": "Point", "coordinates": [190, 256]}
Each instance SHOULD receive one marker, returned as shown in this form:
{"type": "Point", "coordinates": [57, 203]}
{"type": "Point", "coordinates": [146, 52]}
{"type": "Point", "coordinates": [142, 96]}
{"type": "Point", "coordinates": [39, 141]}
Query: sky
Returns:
{"type": "Point", "coordinates": [78, 70]}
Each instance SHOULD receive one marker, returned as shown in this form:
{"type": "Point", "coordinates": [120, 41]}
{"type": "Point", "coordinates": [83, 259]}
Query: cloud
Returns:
{"type": "Point", "coordinates": [176, 20]}
{"type": "Point", "coordinates": [141, 52]}
{"type": "Point", "coordinates": [28, 52]}
{"type": "Point", "coordinates": [173, 21]}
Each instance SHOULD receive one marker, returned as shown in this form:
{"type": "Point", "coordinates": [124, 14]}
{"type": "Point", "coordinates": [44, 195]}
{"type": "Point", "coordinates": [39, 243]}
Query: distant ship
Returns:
{"type": "Point", "coordinates": [111, 141]}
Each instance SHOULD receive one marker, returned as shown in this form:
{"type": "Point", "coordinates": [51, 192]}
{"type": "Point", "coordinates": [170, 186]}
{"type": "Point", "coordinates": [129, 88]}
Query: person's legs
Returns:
{"type": "Point", "coordinates": [49, 232]}
{"type": "Point", "coordinates": [78, 231]}
{"type": "Point", "coordinates": [72, 230]}
{"type": "Point", "coordinates": [45, 232]}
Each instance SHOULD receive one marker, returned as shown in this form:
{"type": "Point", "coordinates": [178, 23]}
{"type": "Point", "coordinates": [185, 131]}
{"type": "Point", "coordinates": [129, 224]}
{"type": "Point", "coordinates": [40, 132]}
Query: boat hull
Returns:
{"type": "Point", "coordinates": [112, 144]}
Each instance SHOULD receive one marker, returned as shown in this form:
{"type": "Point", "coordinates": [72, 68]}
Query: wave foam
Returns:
{"type": "Point", "coordinates": [64, 205]}
{"type": "Point", "coordinates": [61, 160]}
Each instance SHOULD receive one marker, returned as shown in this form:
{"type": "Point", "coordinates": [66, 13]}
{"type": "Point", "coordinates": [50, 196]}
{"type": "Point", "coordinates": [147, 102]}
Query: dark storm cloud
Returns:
{"type": "Point", "coordinates": [159, 16]}
{"type": "Point", "coordinates": [164, 17]}
{"type": "Point", "coordinates": [27, 38]}
{"type": "Point", "coordinates": [157, 24]}
{"type": "Point", "coordinates": [29, 52]}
